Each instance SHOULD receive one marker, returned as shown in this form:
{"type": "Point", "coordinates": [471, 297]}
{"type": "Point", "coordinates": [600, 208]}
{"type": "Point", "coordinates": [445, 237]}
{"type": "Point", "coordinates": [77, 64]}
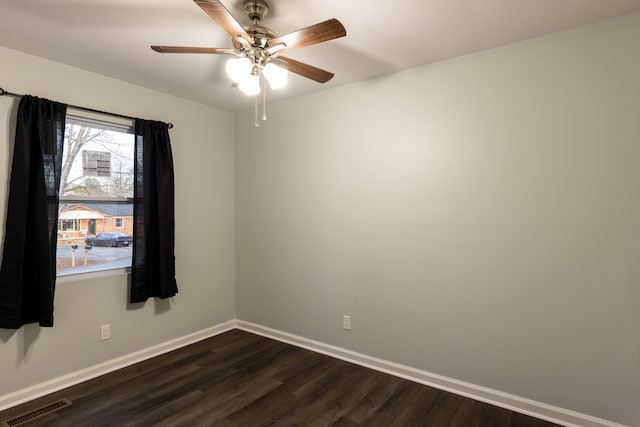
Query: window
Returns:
{"type": "Point", "coordinates": [67, 224]}
{"type": "Point", "coordinates": [95, 224]}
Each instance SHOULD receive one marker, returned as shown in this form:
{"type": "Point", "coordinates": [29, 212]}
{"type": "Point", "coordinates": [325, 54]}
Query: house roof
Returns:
{"type": "Point", "coordinates": [108, 209]}
{"type": "Point", "coordinates": [80, 214]}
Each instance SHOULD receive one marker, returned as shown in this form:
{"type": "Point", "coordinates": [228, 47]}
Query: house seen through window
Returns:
{"type": "Point", "coordinates": [95, 219]}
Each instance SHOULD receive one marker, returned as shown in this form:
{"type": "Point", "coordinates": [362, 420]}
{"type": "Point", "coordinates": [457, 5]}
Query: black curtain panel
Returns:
{"type": "Point", "coordinates": [28, 272]}
{"type": "Point", "coordinates": [153, 267]}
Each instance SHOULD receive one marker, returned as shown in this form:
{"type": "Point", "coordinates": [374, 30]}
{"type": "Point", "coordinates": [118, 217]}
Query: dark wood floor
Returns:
{"type": "Point", "coordinates": [240, 379]}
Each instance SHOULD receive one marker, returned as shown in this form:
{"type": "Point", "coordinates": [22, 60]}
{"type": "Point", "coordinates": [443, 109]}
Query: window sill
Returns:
{"type": "Point", "coordinates": [77, 277]}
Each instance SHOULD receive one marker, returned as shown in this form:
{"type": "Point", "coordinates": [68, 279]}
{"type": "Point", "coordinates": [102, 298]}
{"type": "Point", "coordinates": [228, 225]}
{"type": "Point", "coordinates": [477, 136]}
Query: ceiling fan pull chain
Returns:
{"type": "Point", "coordinates": [256, 121]}
{"type": "Point", "coordinates": [264, 98]}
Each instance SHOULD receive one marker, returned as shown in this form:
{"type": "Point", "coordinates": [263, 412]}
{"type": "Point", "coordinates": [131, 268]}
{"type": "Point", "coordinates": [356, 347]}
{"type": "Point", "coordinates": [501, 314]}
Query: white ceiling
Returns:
{"type": "Point", "coordinates": [112, 37]}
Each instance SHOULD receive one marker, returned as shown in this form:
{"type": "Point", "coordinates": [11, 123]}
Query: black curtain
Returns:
{"type": "Point", "coordinates": [28, 272]}
{"type": "Point", "coordinates": [153, 268]}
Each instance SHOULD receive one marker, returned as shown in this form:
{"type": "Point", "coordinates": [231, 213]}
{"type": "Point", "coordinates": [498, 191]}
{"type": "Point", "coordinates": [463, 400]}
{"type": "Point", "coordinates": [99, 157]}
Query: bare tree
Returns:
{"type": "Point", "coordinates": [77, 136]}
{"type": "Point", "coordinates": [121, 180]}
{"type": "Point", "coordinates": [90, 187]}
{"type": "Point", "coordinates": [118, 181]}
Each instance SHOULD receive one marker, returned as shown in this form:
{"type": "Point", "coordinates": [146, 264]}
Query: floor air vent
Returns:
{"type": "Point", "coordinates": [44, 410]}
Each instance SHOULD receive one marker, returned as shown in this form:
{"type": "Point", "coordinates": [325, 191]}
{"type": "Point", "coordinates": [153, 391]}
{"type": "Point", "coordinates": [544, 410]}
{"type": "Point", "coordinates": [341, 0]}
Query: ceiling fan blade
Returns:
{"type": "Point", "coordinates": [223, 17]}
{"type": "Point", "coordinates": [305, 70]}
{"type": "Point", "coordinates": [273, 49]}
{"type": "Point", "coordinates": [186, 49]}
{"type": "Point", "coordinates": [318, 33]}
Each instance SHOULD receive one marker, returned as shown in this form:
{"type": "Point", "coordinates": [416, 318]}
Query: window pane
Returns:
{"type": "Point", "coordinates": [91, 238]}
{"type": "Point", "coordinates": [97, 163]}
{"type": "Point", "coordinates": [96, 187]}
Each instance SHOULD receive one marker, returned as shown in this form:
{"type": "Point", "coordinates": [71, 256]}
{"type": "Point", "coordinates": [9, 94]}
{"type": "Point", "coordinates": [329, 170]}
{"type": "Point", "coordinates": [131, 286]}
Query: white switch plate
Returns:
{"type": "Point", "coordinates": [346, 323]}
{"type": "Point", "coordinates": [105, 332]}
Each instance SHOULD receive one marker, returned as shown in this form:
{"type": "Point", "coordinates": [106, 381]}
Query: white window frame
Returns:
{"type": "Point", "coordinates": [109, 123]}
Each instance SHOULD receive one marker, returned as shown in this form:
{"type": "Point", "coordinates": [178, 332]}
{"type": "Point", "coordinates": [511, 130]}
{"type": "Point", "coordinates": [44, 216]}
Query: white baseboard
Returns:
{"type": "Point", "coordinates": [494, 397]}
{"type": "Point", "coordinates": [42, 389]}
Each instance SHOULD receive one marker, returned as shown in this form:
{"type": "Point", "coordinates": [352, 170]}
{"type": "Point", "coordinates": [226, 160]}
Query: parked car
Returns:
{"type": "Point", "coordinates": [109, 239]}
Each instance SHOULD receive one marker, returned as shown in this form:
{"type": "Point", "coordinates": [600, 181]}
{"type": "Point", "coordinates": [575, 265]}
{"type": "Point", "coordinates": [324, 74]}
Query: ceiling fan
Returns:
{"type": "Point", "coordinates": [258, 49]}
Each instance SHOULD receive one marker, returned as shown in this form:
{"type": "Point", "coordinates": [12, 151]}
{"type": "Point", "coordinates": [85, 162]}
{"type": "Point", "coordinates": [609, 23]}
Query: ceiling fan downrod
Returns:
{"type": "Point", "coordinates": [256, 9]}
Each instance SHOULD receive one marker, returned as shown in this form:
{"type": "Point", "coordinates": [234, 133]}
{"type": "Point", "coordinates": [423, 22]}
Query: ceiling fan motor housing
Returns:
{"type": "Point", "coordinates": [256, 10]}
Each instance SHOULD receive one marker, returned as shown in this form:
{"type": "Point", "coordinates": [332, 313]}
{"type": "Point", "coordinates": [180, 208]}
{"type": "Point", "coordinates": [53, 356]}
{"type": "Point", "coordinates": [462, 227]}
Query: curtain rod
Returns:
{"type": "Point", "coordinates": [4, 92]}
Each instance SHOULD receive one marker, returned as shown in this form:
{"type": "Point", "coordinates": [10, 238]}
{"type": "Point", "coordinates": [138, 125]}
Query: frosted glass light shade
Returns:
{"type": "Point", "coordinates": [250, 85]}
{"type": "Point", "coordinates": [276, 76]}
{"type": "Point", "coordinates": [239, 69]}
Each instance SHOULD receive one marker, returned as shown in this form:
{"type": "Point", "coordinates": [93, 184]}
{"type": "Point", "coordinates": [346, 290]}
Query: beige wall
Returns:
{"type": "Point", "coordinates": [478, 218]}
{"type": "Point", "coordinates": [202, 142]}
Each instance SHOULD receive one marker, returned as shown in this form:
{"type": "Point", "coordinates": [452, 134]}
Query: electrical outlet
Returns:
{"type": "Point", "coordinates": [105, 332]}
{"type": "Point", "coordinates": [346, 323]}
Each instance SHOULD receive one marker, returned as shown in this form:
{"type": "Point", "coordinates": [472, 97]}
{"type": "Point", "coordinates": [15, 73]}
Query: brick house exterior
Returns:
{"type": "Point", "coordinates": [77, 221]}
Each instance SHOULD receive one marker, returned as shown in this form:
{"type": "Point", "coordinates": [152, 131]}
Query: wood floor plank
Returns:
{"type": "Point", "coordinates": [344, 422]}
{"type": "Point", "coordinates": [397, 407]}
{"type": "Point", "coordinates": [266, 410]}
{"type": "Point", "coordinates": [119, 395]}
{"type": "Point", "coordinates": [384, 387]}
{"type": "Point", "coordinates": [471, 414]}
{"type": "Point", "coordinates": [420, 403]}
{"type": "Point", "coordinates": [160, 410]}
{"type": "Point", "coordinates": [320, 405]}
{"type": "Point", "coordinates": [521, 420]}
{"type": "Point", "coordinates": [444, 410]}
{"type": "Point", "coordinates": [238, 379]}
{"type": "Point", "coordinates": [214, 408]}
